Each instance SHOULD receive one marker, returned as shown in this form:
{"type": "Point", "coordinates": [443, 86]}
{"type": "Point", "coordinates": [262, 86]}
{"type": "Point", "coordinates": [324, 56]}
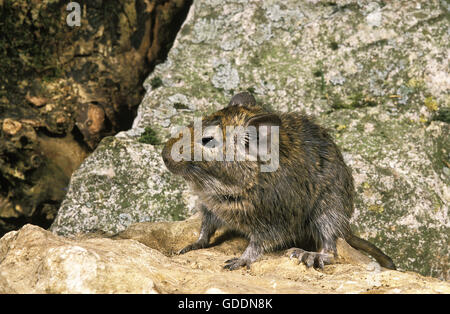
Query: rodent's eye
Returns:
{"type": "Point", "coordinates": [247, 140]}
{"type": "Point", "coordinates": [208, 140]}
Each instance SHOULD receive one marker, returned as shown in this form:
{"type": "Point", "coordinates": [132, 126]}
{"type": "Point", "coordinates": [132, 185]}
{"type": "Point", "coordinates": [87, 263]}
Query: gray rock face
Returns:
{"type": "Point", "coordinates": [375, 73]}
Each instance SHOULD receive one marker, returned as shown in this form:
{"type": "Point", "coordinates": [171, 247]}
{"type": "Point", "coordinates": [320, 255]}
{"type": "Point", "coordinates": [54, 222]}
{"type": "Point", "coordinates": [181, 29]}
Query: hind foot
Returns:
{"type": "Point", "coordinates": [236, 263]}
{"type": "Point", "coordinates": [250, 255]}
{"type": "Point", "coordinates": [316, 259]}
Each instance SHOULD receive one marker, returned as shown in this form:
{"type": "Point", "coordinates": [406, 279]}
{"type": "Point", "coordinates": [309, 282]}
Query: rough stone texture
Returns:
{"type": "Point", "coordinates": [121, 173]}
{"type": "Point", "coordinates": [141, 260]}
{"type": "Point", "coordinates": [373, 72]}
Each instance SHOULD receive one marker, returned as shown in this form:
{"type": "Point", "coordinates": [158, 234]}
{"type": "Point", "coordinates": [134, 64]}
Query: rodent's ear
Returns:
{"type": "Point", "coordinates": [268, 119]}
{"type": "Point", "coordinates": [264, 129]}
{"type": "Point", "coordinates": [242, 99]}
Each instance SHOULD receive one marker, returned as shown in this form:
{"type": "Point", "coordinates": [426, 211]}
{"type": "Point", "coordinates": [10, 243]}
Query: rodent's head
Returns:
{"type": "Point", "coordinates": [222, 153]}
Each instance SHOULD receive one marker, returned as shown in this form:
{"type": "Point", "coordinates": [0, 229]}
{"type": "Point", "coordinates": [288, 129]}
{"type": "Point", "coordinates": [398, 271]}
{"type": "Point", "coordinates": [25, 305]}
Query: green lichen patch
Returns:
{"type": "Point", "coordinates": [334, 45]}
{"type": "Point", "coordinates": [150, 136]}
{"type": "Point", "coordinates": [356, 100]}
{"type": "Point", "coordinates": [180, 106]}
{"type": "Point", "coordinates": [156, 82]}
{"type": "Point", "coordinates": [443, 114]}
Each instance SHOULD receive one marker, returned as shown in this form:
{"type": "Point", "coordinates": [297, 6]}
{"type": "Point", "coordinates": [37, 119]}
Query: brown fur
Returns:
{"type": "Point", "coordinates": [307, 202]}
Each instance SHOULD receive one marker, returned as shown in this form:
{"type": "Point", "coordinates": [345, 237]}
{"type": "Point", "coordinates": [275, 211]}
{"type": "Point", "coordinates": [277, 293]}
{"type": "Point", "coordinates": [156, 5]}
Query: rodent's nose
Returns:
{"type": "Point", "coordinates": [166, 154]}
{"type": "Point", "coordinates": [171, 164]}
{"type": "Point", "coordinates": [164, 157]}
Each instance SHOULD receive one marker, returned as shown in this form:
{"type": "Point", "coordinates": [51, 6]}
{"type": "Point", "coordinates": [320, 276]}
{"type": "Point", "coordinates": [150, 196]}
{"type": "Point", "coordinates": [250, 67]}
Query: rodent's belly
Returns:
{"type": "Point", "coordinates": [236, 213]}
{"type": "Point", "coordinates": [241, 216]}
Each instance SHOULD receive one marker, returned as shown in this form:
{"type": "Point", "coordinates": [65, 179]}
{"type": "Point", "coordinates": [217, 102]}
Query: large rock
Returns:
{"type": "Point", "coordinates": [141, 260]}
{"type": "Point", "coordinates": [375, 73]}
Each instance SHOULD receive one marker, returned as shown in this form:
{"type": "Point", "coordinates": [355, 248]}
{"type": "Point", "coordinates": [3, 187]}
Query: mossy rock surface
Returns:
{"type": "Point", "coordinates": [375, 73]}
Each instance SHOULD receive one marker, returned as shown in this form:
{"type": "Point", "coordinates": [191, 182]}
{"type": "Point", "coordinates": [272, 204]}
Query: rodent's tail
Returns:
{"type": "Point", "coordinates": [366, 246]}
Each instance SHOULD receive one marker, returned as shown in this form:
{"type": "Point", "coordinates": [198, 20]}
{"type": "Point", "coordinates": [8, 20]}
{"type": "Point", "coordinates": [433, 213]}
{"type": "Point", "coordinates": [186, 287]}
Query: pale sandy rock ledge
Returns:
{"type": "Point", "coordinates": [141, 259]}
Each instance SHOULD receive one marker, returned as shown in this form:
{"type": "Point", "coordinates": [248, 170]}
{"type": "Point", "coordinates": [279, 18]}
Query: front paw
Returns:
{"type": "Point", "coordinates": [236, 263]}
{"type": "Point", "coordinates": [191, 247]}
{"type": "Point", "coordinates": [316, 259]}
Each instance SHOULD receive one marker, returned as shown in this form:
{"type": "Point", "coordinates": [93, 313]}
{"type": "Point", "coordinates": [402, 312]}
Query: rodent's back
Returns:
{"type": "Point", "coordinates": [309, 147]}
{"type": "Point", "coordinates": [312, 185]}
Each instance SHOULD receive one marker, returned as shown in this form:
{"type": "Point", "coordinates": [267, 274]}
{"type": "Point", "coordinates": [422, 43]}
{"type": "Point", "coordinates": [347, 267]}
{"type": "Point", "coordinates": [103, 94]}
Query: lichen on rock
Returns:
{"type": "Point", "coordinates": [126, 178]}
